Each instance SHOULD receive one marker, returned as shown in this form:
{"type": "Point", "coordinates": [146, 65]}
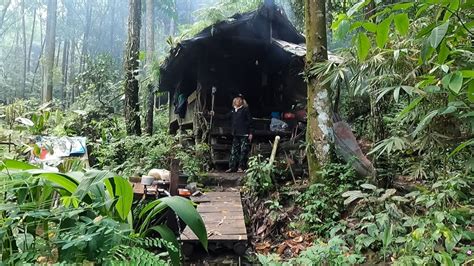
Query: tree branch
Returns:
{"type": "Point", "coordinates": [459, 18]}
{"type": "Point", "coordinates": [4, 12]}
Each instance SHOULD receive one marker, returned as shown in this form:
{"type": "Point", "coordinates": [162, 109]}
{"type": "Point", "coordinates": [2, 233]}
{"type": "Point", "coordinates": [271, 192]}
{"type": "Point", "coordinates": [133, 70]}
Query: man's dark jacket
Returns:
{"type": "Point", "coordinates": [241, 121]}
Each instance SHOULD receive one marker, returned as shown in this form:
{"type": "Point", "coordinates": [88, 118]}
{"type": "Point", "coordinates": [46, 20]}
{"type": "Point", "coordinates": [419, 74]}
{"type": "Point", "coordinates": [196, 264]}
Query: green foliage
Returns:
{"type": "Point", "coordinates": [321, 203]}
{"type": "Point", "coordinates": [420, 227]}
{"type": "Point", "coordinates": [126, 255]}
{"type": "Point", "coordinates": [363, 46]}
{"type": "Point", "coordinates": [430, 225]}
{"type": "Point", "coordinates": [70, 227]}
{"type": "Point", "coordinates": [220, 11]}
{"type": "Point", "coordinates": [24, 120]}
{"type": "Point", "coordinates": [194, 159]}
{"type": "Point", "coordinates": [259, 175]}
{"type": "Point", "coordinates": [95, 124]}
{"type": "Point", "coordinates": [183, 208]}
{"type": "Point", "coordinates": [28, 117]}
{"type": "Point", "coordinates": [135, 155]}
{"type": "Point", "coordinates": [173, 247]}
{"type": "Point", "coordinates": [334, 252]}
{"type": "Point", "coordinates": [109, 146]}
{"type": "Point", "coordinates": [416, 82]}
{"type": "Point", "coordinates": [79, 216]}
{"type": "Point", "coordinates": [401, 23]}
{"type": "Point", "coordinates": [97, 85]}
{"type": "Point", "coordinates": [382, 32]}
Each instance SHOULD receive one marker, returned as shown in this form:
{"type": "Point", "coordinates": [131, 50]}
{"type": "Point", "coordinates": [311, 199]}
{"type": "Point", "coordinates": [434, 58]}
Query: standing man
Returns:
{"type": "Point", "coordinates": [241, 122]}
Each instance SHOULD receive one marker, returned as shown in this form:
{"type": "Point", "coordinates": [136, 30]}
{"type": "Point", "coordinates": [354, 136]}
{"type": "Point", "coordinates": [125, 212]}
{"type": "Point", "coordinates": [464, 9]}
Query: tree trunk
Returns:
{"type": "Point", "coordinates": [150, 50]}
{"type": "Point", "coordinates": [49, 48]}
{"type": "Point", "coordinates": [6, 5]}
{"type": "Point", "coordinates": [64, 71]}
{"type": "Point", "coordinates": [14, 50]}
{"type": "Point", "coordinates": [132, 108]}
{"type": "Point", "coordinates": [38, 62]}
{"type": "Point", "coordinates": [71, 69]}
{"type": "Point", "coordinates": [56, 63]}
{"type": "Point", "coordinates": [319, 111]}
{"type": "Point", "coordinates": [143, 29]}
{"type": "Point", "coordinates": [32, 36]}
{"type": "Point", "coordinates": [112, 28]}
{"type": "Point", "coordinates": [25, 60]}
{"type": "Point", "coordinates": [85, 38]}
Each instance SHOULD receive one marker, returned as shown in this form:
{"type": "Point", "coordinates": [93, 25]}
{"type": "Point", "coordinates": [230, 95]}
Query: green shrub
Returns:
{"type": "Point", "coordinates": [259, 175]}
{"type": "Point", "coordinates": [322, 204]}
{"type": "Point", "coordinates": [427, 226]}
{"type": "Point", "coordinates": [135, 155]}
{"type": "Point", "coordinates": [49, 217]}
{"type": "Point", "coordinates": [335, 252]}
{"type": "Point", "coordinates": [194, 159]}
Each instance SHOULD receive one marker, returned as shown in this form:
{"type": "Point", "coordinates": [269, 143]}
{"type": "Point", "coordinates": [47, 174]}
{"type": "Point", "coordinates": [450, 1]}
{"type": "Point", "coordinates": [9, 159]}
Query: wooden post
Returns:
{"type": "Point", "coordinates": [174, 177]}
{"type": "Point", "coordinates": [274, 150]}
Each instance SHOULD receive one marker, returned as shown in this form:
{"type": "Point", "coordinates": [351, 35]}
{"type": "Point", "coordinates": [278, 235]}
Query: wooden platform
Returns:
{"type": "Point", "coordinates": [223, 216]}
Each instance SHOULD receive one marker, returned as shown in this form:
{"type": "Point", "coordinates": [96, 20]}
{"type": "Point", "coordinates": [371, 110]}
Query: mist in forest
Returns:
{"type": "Point", "coordinates": [86, 31]}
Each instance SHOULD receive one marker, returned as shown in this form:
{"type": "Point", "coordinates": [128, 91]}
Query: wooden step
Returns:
{"type": "Point", "coordinates": [221, 162]}
{"type": "Point", "coordinates": [222, 147]}
{"type": "Point", "coordinates": [224, 220]}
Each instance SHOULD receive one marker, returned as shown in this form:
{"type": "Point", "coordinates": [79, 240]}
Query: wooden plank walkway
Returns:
{"type": "Point", "coordinates": [223, 216]}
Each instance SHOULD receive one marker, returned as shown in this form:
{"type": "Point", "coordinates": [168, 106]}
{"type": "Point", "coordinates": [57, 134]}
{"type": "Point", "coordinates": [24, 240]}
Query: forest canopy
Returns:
{"type": "Point", "coordinates": [386, 84]}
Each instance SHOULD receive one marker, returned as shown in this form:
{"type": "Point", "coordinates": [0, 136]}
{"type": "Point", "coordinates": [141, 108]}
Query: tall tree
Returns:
{"type": "Point", "coordinates": [3, 13]}
{"type": "Point", "coordinates": [319, 111]}
{"type": "Point", "coordinates": [40, 56]}
{"type": "Point", "coordinates": [58, 52]}
{"type": "Point", "coordinates": [64, 70]}
{"type": "Point", "coordinates": [150, 51]}
{"type": "Point", "coordinates": [32, 36]}
{"type": "Point", "coordinates": [112, 27]}
{"type": "Point", "coordinates": [132, 108]}
{"type": "Point", "coordinates": [85, 38]}
{"type": "Point", "coordinates": [25, 59]}
{"type": "Point", "coordinates": [71, 70]}
{"type": "Point", "coordinates": [49, 50]}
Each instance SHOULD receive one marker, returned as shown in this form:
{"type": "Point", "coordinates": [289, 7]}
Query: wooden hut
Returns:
{"type": "Point", "coordinates": [258, 54]}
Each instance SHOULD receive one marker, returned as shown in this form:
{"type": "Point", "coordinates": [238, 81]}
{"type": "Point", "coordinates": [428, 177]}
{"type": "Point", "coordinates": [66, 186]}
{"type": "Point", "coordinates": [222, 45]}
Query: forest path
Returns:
{"type": "Point", "coordinates": [222, 211]}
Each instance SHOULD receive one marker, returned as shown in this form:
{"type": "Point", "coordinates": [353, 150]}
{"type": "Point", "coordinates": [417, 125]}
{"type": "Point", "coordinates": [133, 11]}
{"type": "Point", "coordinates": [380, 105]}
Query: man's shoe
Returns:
{"type": "Point", "coordinates": [240, 170]}
{"type": "Point", "coordinates": [230, 170]}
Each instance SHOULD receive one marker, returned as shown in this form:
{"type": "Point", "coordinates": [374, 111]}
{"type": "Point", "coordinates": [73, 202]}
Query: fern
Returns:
{"type": "Point", "coordinates": [149, 242]}
{"type": "Point", "coordinates": [126, 255]}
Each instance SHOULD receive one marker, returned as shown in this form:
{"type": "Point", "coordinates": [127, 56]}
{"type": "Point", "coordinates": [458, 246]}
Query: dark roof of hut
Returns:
{"type": "Point", "coordinates": [268, 24]}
